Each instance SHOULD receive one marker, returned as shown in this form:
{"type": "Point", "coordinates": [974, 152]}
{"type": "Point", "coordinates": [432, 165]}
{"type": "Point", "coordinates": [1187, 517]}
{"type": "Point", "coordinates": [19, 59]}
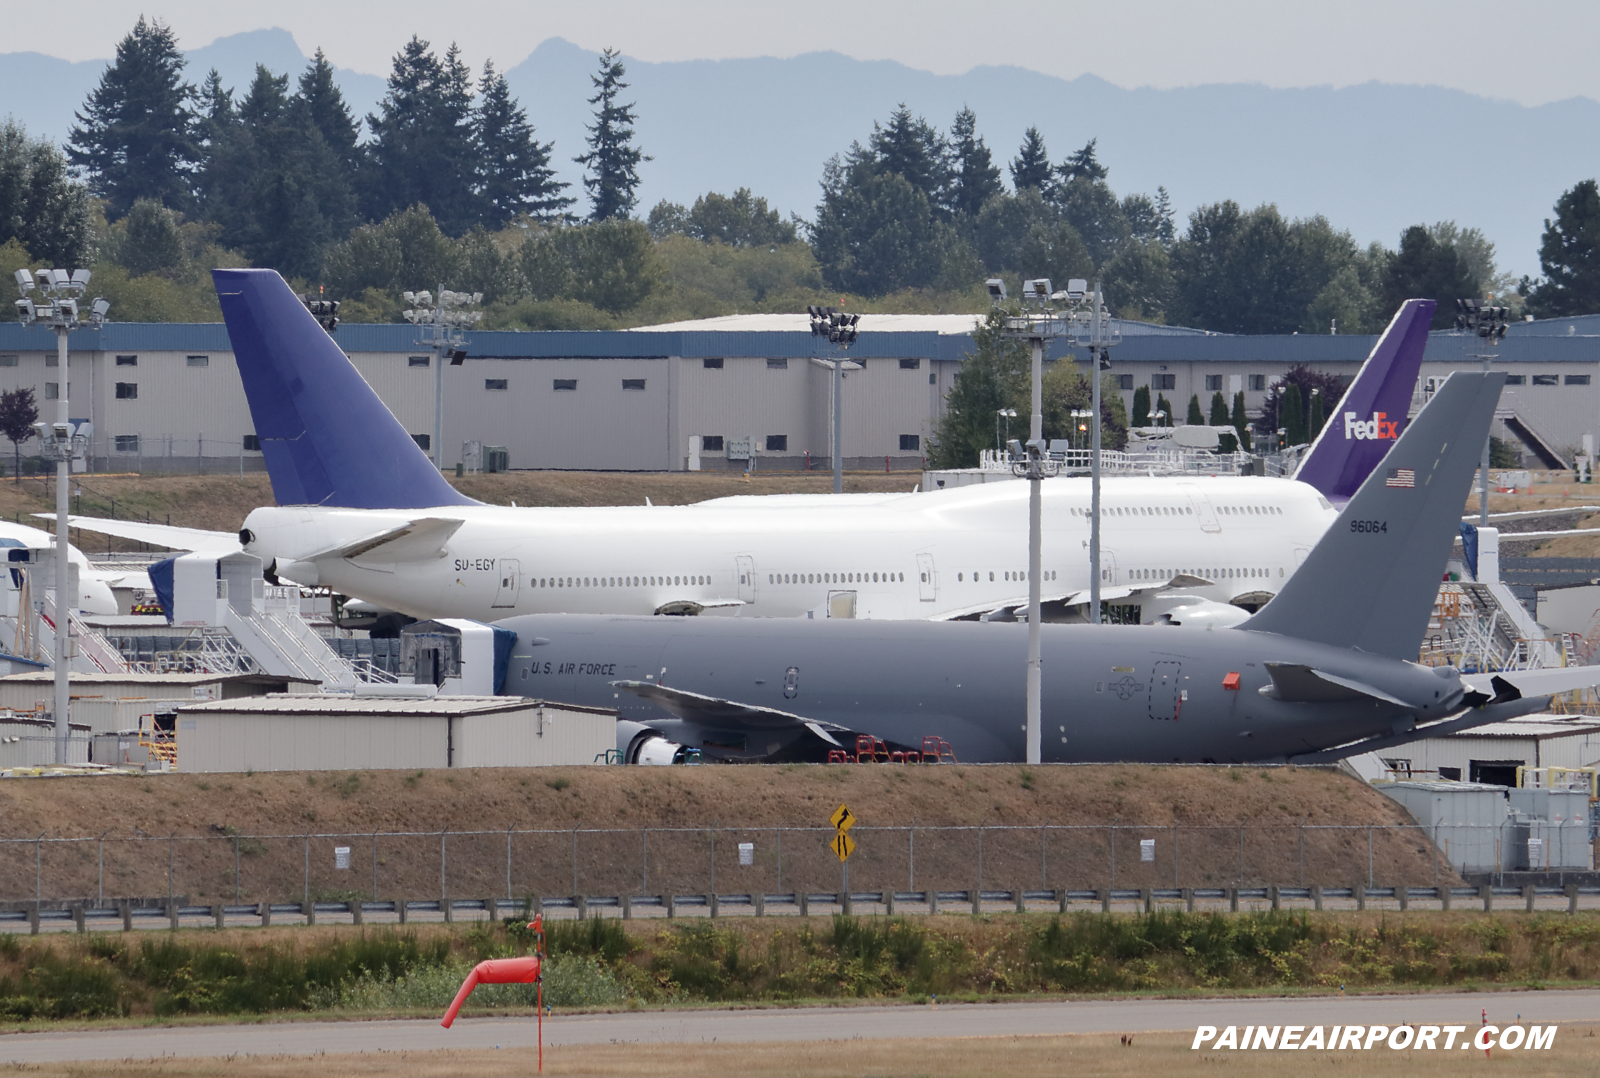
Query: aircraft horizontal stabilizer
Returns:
{"type": "Point", "coordinates": [423, 539]}
{"type": "Point", "coordinates": [1534, 682]}
{"type": "Point", "coordinates": [194, 540]}
{"type": "Point", "coordinates": [1478, 716]}
{"type": "Point", "coordinates": [711, 711]}
{"type": "Point", "coordinates": [1294, 683]}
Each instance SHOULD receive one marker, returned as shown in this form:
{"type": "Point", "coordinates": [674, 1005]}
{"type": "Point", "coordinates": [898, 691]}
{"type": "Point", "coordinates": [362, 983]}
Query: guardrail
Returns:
{"type": "Point", "coordinates": [127, 914]}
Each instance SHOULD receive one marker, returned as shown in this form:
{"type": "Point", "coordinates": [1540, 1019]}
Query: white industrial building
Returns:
{"type": "Point", "coordinates": [168, 396]}
{"type": "Point", "coordinates": [1492, 753]}
{"type": "Point", "coordinates": [341, 733]}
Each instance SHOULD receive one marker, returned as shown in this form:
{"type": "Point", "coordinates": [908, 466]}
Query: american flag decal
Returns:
{"type": "Point", "coordinates": [1401, 477]}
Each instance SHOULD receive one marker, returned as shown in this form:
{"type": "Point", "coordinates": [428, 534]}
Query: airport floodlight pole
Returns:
{"type": "Point", "coordinates": [444, 322]}
{"type": "Point", "coordinates": [1101, 338]}
{"type": "Point", "coordinates": [1008, 414]}
{"type": "Point", "coordinates": [57, 307]}
{"type": "Point", "coordinates": [833, 329]}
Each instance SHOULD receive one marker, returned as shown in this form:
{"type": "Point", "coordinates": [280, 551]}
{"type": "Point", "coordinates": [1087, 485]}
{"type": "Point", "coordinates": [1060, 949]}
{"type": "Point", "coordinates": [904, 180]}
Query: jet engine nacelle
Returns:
{"type": "Point", "coordinates": [641, 744]}
{"type": "Point", "coordinates": [1194, 611]}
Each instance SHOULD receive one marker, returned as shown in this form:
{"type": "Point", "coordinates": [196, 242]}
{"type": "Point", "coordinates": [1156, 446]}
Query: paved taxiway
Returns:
{"type": "Point", "coordinates": [802, 1024]}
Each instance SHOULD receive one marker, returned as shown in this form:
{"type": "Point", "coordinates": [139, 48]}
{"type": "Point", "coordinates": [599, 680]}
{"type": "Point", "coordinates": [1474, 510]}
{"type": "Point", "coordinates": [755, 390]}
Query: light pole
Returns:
{"type": "Point", "coordinates": [1489, 323]}
{"type": "Point", "coordinates": [1008, 414]}
{"type": "Point", "coordinates": [834, 328]}
{"type": "Point", "coordinates": [1041, 321]}
{"type": "Point", "coordinates": [57, 307]}
{"type": "Point", "coordinates": [444, 321]}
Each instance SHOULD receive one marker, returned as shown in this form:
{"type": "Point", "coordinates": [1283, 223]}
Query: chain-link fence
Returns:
{"type": "Point", "coordinates": [228, 867]}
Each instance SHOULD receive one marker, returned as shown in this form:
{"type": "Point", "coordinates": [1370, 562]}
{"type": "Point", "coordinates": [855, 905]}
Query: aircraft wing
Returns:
{"type": "Point", "coordinates": [423, 539]}
{"type": "Point", "coordinates": [170, 536]}
{"type": "Point", "coordinates": [1079, 597]}
{"type": "Point", "coordinates": [712, 711]}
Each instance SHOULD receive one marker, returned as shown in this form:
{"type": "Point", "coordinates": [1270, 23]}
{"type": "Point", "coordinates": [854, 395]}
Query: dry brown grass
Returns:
{"type": "Point", "coordinates": [1274, 802]}
{"type": "Point", "coordinates": [1576, 1053]}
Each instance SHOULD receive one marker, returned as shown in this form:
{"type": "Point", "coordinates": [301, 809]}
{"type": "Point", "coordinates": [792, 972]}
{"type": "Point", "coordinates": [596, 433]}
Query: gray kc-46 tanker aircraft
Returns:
{"type": "Point", "coordinates": [1327, 663]}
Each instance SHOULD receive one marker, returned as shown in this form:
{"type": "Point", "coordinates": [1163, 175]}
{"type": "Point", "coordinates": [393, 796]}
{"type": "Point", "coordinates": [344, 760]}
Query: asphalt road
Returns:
{"type": "Point", "coordinates": [807, 1024]}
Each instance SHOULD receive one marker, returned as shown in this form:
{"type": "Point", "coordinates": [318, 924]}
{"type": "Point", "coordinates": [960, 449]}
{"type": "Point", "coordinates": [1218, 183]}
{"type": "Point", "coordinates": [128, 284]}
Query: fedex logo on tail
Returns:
{"type": "Point", "coordinates": [1379, 428]}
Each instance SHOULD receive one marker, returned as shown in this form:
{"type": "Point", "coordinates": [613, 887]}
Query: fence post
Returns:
{"type": "Point", "coordinates": [219, 915]}
{"type": "Point", "coordinates": [1105, 899]}
{"type": "Point", "coordinates": [1486, 892]}
{"type": "Point", "coordinates": [125, 907]}
{"type": "Point", "coordinates": [374, 866]}
{"type": "Point", "coordinates": [1527, 894]}
{"type": "Point", "coordinates": [644, 862]}
{"type": "Point", "coordinates": [1044, 865]}
{"type": "Point", "coordinates": [1188, 899]}
{"type": "Point", "coordinates": [1302, 855]}
{"type": "Point", "coordinates": [172, 846]}
{"type": "Point", "coordinates": [778, 841]}
{"type": "Point", "coordinates": [1316, 898]}
{"type": "Point", "coordinates": [1360, 893]}
{"type": "Point", "coordinates": [1241, 855]}
{"type": "Point", "coordinates": [508, 863]}
{"type": "Point", "coordinates": [1572, 898]}
{"type": "Point", "coordinates": [444, 905]}
{"type": "Point", "coordinates": [805, 903]}
{"type": "Point", "coordinates": [77, 917]}
{"type": "Point", "coordinates": [574, 860]}
{"type": "Point", "coordinates": [713, 856]}
{"type": "Point", "coordinates": [1369, 855]}
{"type": "Point", "coordinates": [100, 874]}
{"type": "Point", "coordinates": [933, 901]}
{"type": "Point", "coordinates": [1113, 857]}
{"type": "Point", "coordinates": [38, 874]}
{"type": "Point", "coordinates": [1233, 899]}
{"type": "Point", "coordinates": [265, 910]}
{"type": "Point", "coordinates": [911, 855]}
{"type": "Point", "coordinates": [980, 859]}
{"type": "Point", "coordinates": [627, 907]}
{"type": "Point", "coordinates": [305, 896]}
{"type": "Point", "coordinates": [1175, 855]}
{"type": "Point", "coordinates": [237, 883]}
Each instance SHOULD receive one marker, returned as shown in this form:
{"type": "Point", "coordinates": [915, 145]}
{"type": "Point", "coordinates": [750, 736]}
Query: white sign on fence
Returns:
{"type": "Point", "coordinates": [747, 853]}
{"type": "Point", "coordinates": [341, 857]}
{"type": "Point", "coordinates": [1147, 849]}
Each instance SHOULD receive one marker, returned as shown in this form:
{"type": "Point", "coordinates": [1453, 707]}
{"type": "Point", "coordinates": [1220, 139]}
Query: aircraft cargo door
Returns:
{"type": "Point", "coordinates": [1164, 691]}
{"type": "Point", "coordinates": [927, 581]}
{"type": "Point", "coordinates": [746, 566]}
{"type": "Point", "coordinates": [505, 595]}
{"type": "Point", "coordinates": [1202, 507]}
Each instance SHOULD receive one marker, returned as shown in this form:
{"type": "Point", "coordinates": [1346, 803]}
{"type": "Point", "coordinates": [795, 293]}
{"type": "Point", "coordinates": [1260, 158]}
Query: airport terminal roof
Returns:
{"type": "Point", "coordinates": [935, 336]}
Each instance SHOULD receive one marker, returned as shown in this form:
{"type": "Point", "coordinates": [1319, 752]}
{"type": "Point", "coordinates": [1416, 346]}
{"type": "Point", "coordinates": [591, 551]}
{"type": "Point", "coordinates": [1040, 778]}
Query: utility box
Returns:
{"type": "Point", "coordinates": [1560, 819]}
{"type": "Point", "coordinates": [1466, 820]}
{"type": "Point", "coordinates": [496, 459]}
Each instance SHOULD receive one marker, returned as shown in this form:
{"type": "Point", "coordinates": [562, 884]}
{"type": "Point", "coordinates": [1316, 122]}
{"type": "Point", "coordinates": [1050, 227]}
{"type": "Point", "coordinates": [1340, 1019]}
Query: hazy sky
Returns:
{"type": "Point", "coordinates": [1533, 52]}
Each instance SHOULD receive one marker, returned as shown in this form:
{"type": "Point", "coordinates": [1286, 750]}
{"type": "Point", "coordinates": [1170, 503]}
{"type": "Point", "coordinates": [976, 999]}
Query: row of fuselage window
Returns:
{"type": "Point", "coordinates": [1183, 511]}
{"type": "Point", "coordinates": [835, 578]}
{"type": "Point", "coordinates": [620, 581]}
{"type": "Point", "coordinates": [1209, 574]}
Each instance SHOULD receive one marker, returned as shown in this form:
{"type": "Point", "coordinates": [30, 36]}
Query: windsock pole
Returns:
{"type": "Point", "coordinates": [526, 970]}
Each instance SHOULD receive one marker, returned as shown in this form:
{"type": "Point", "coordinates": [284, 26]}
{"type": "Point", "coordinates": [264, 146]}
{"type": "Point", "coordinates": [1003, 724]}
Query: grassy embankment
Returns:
{"type": "Point", "coordinates": [609, 963]}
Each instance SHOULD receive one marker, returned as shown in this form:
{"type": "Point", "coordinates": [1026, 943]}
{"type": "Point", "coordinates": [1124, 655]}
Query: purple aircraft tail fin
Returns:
{"type": "Point", "coordinates": [326, 436]}
{"type": "Point", "coordinates": [1372, 414]}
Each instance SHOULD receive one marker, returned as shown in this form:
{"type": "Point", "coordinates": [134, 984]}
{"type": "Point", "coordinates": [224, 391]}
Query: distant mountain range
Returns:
{"type": "Point", "coordinates": [1372, 158]}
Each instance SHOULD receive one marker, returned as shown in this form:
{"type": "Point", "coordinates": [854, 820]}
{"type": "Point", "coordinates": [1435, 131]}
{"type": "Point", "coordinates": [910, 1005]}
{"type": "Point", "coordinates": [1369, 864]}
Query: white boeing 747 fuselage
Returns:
{"type": "Point", "coordinates": [1165, 542]}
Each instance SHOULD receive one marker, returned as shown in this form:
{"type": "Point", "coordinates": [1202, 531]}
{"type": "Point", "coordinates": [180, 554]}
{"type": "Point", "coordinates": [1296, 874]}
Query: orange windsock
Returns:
{"type": "Point", "coordinates": [495, 971]}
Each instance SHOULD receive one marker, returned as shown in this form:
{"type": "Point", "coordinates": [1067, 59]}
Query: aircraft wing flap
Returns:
{"type": "Point", "coordinates": [713, 711]}
{"type": "Point", "coordinates": [1295, 683]}
{"type": "Point", "coordinates": [692, 607]}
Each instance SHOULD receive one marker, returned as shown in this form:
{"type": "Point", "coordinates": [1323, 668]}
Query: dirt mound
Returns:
{"type": "Point", "coordinates": [605, 830]}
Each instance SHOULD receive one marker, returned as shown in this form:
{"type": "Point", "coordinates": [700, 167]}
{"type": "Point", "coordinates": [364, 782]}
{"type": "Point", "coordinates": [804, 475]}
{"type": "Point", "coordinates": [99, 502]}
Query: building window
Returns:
{"type": "Point", "coordinates": [1516, 379]}
{"type": "Point", "coordinates": [52, 391]}
{"type": "Point", "coordinates": [933, 378]}
{"type": "Point", "coordinates": [497, 384]}
{"type": "Point", "coordinates": [252, 443]}
{"type": "Point", "coordinates": [633, 383]}
{"type": "Point", "coordinates": [1258, 383]}
{"type": "Point", "coordinates": [52, 360]}
{"type": "Point", "coordinates": [911, 364]}
{"type": "Point", "coordinates": [1163, 381]}
{"type": "Point", "coordinates": [910, 443]}
{"type": "Point", "coordinates": [777, 364]}
{"type": "Point", "coordinates": [561, 385]}
{"type": "Point", "coordinates": [1547, 379]}
{"type": "Point", "coordinates": [711, 443]}
{"type": "Point", "coordinates": [424, 441]}
{"type": "Point", "coordinates": [419, 361]}
{"type": "Point", "coordinates": [127, 361]}
{"type": "Point", "coordinates": [1124, 381]}
{"type": "Point", "coordinates": [712, 363]}
{"type": "Point", "coordinates": [127, 391]}
{"type": "Point", "coordinates": [8, 361]}
{"type": "Point", "coordinates": [193, 361]}
{"type": "Point", "coordinates": [777, 443]}
{"type": "Point", "coordinates": [1213, 383]}
{"type": "Point", "coordinates": [127, 443]}
{"type": "Point", "coordinates": [1576, 380]}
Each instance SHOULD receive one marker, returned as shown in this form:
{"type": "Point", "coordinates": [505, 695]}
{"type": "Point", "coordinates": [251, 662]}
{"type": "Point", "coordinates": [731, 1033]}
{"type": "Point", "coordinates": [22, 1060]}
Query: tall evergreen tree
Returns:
{"type": "Point", "coordinates": [1569, 255]}
{"type": "Point", "coordinates": [1031, 166]}
{"type": "Point", "coordinates": [975, 177]}
{"type": "Point", "coordinates": [1423, 268]}
{"type": "Point", "coordinates": [1292, 416]}
{"type": "Point", "coordinates": [136, 136]}
{"type": "Point", "coordinates": [422, 148]}
{"type": "Point", "coordinates": [325, 110]}
{"type": "Point", "coordinates": [910, 147]}
{"type": "Point", "coordinates": [1315, 418]}
{"type": "Point", "coordinates": [1164, 411]}
{"type": "Point", "coordinates": [1082, 165]}
{"type": "Point", "coordinates": [514, 170]}
{"type": "Point", "coordinates": [1195, 418]}
{"type": "Point", "coordinates": [1140, 416]}
{"type": "Point", "coordinates": [280, 192]}
{"type": "Point", "coordinates": [1219, 409]}
{"type": "Point", "coordinates": [41, 207]}
{"type": "Point", "coordinates": [613, 160]}
{"type": "Point", "coordinates": [217, 115]}
{"type": "Point", "coordinates": [1241, 421]}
